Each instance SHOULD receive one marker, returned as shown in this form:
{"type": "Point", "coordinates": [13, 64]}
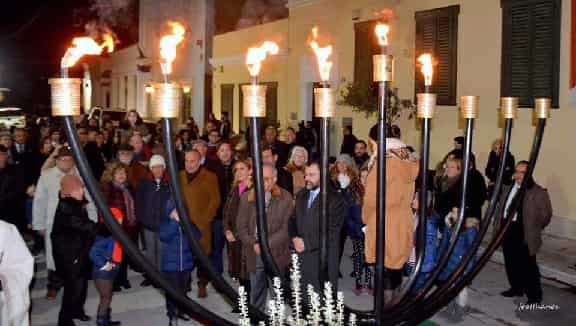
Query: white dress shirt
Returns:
{"type": "Point", "coordinates": [511, 196]}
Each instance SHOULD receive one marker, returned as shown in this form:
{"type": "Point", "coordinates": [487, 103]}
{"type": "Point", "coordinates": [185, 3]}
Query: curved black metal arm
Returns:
{"type": "Point", "coordinates": [411, 302]}
{"type": "Point", "coordinates": [261, 223]}
{"type": "Point", "coordinates": [427, 311]}
{"type": "Point", "coordinates": [217, 280]}
{"type": "Point", "coordinates": [128, 246]}
{"type": "Point", "coordinates": [486, 221]}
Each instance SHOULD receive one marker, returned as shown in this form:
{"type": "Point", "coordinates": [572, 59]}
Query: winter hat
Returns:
{"type": "Point", "coordinates": [156, 160]}
{"type": "Point", "coordinates": [346, 159]}
{"type": "Point", "coordinates": [69, 183]}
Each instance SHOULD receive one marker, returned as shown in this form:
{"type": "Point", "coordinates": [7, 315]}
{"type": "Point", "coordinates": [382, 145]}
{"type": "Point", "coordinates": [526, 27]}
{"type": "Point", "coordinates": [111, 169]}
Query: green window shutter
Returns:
{"type": "Point", "coordinates": [530, 50]}
{"type": "Point", "coordinates": [437, 34]}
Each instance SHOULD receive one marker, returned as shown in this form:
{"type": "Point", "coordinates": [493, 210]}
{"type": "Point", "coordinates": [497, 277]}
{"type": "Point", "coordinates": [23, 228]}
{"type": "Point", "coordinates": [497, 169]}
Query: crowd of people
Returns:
{"type": "Point", "coordinates": [42, 195]}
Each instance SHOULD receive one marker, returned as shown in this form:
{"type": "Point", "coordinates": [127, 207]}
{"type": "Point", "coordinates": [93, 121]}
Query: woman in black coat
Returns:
{"type": "Point", "coordinates": [72, 236]}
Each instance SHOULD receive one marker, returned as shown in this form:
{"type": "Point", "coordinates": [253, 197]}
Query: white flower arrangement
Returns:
{"type": "Point", "coordinates": [244, 319]}
{"type": "Point", "coordinates": [314, 316]}
{"type": "Point", "coordinates": [328, 308]}
{"type": "Point", "coordinates": [322, 311]}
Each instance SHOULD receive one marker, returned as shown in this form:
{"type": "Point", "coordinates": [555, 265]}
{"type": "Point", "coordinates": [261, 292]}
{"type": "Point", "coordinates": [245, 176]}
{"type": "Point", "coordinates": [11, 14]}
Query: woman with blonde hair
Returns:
{"type": "Point", "coordinates": [296, 166]}
{"type": "Point", "coordinates": [242, 183]}
{"type": "Point", "coordinates": [491, 170]}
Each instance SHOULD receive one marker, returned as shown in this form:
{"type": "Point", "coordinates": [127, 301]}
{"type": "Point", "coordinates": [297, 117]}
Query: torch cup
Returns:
{"type": "Point", "coordinates": [66, 96]}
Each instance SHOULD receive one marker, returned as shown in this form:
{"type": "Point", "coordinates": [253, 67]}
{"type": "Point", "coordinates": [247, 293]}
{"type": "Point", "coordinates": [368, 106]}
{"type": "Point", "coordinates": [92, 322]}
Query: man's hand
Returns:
{"type": "Point", "coordinates": [298, 245]}
{"type": "Point", "coordinates": [257, 249]}
{"type": "Point", "coordinates": [230, 236]}
{"type": "Point", "coordinates": [42, 233]}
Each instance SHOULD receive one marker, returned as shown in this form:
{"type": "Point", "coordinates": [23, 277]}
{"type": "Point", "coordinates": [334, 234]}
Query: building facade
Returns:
{"type": "Point", "coordinates": [480, 38]}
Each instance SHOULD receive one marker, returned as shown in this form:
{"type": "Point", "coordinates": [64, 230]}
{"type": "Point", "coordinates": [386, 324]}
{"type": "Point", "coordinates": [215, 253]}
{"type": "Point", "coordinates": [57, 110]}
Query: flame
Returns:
{"type": "Point", "coordinates": [322, 55]}
{"type": "Point", "coordinates": [108, 43]}
{"type": "Point", "coordinates": [168, 44]}
{"type": "Point", "coordinates": [427, 70]}
{"type": "Point", "coordinates": [382, 33]}
{"type": "Point", "coordinates": [82, 46]}
{"type": "Point", "coordinates": [255, 56]}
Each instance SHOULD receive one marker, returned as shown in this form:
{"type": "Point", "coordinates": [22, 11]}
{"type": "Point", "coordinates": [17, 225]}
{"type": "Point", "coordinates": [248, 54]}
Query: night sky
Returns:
{"type": "Point", "coordinates": [34, 35]}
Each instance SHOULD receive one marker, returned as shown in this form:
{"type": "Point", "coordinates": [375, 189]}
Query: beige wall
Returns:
{"type": "Point", "coordinates": [479, 51]}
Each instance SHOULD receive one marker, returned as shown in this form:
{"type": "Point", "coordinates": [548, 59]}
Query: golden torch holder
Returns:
{"type": "Point", "coordinates": [325, 102]}
{"type": "Point", "coordinates": [509, 107]}
{"type": "Point", "coordinates": [383, 67]}
{"type": "Point", "coordinates": [254, 101]}
{"type": "Point", "coordinates": [66, 97]}
{"type": "Point", "coordinates": [469, 106]}
{"type": "Point", "coordinates": [542, 108]}
{"type": "Point", "coordinates": [426, 105]}
{"type": "Point", "coordinates": [166, 100]}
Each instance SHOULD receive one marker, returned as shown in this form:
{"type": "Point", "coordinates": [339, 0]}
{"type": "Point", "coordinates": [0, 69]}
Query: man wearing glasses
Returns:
{"type": "Point", "coordinates": [524, 237]}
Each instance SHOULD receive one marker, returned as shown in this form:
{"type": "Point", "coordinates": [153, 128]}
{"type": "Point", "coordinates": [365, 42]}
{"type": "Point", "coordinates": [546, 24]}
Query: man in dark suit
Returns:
{"type": "Point", "coordinates": [524, 237]}
{"type": "Point", "coordinates": [270, 155]}
{"type": "Point", "coordinates": [304, 229]}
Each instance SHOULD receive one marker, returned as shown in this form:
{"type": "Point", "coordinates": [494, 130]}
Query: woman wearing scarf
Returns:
{"type": "Point", "coordinates": [117, 192]}
{"type": "Point", "coordinates": [401, 175]}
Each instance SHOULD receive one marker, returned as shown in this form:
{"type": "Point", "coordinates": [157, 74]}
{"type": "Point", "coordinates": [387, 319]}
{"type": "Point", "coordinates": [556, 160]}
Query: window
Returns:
{"type": "Point", "coordinates": [437, 34]}
{"type": "Point", "coordinates": [531, 50]}
{"type": "Point", "coordinates": [227, 100]}
{"type": "Point", "coordinates": [365, 46]}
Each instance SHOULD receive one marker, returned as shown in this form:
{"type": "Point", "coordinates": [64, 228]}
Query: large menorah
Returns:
{"type": "Point", "coordinates": [409, 306]}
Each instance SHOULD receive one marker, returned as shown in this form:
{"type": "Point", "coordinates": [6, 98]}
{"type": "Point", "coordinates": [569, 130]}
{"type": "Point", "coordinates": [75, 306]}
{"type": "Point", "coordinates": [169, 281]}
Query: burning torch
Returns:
{"type": "Point", "coordinates": [66, 96]}
{"type": "Point", "coordinates": [254, 108]}
{"type": "Point", "coordinates": [383, 75]}
{"type": "Point", "coordinates": [325, 106]}
{"type": "Point", "coordinates": [166, 96]}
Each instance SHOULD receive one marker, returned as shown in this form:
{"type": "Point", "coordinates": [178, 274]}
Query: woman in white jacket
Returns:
{"type": "Point", "coordinates": [16, 271]}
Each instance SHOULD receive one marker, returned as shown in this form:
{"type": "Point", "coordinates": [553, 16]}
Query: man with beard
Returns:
{"type": "Point", "coordinates": [360, 153]}
{"type": "Point", "coordinates": [304, 229]}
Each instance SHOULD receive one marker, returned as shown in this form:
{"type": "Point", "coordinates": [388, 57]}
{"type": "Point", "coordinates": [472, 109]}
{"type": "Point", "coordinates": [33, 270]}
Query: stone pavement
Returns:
{"type": "Point", "coordinates": [557, 258]}
{"type": "Point", "coordinates": [141, 306]}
